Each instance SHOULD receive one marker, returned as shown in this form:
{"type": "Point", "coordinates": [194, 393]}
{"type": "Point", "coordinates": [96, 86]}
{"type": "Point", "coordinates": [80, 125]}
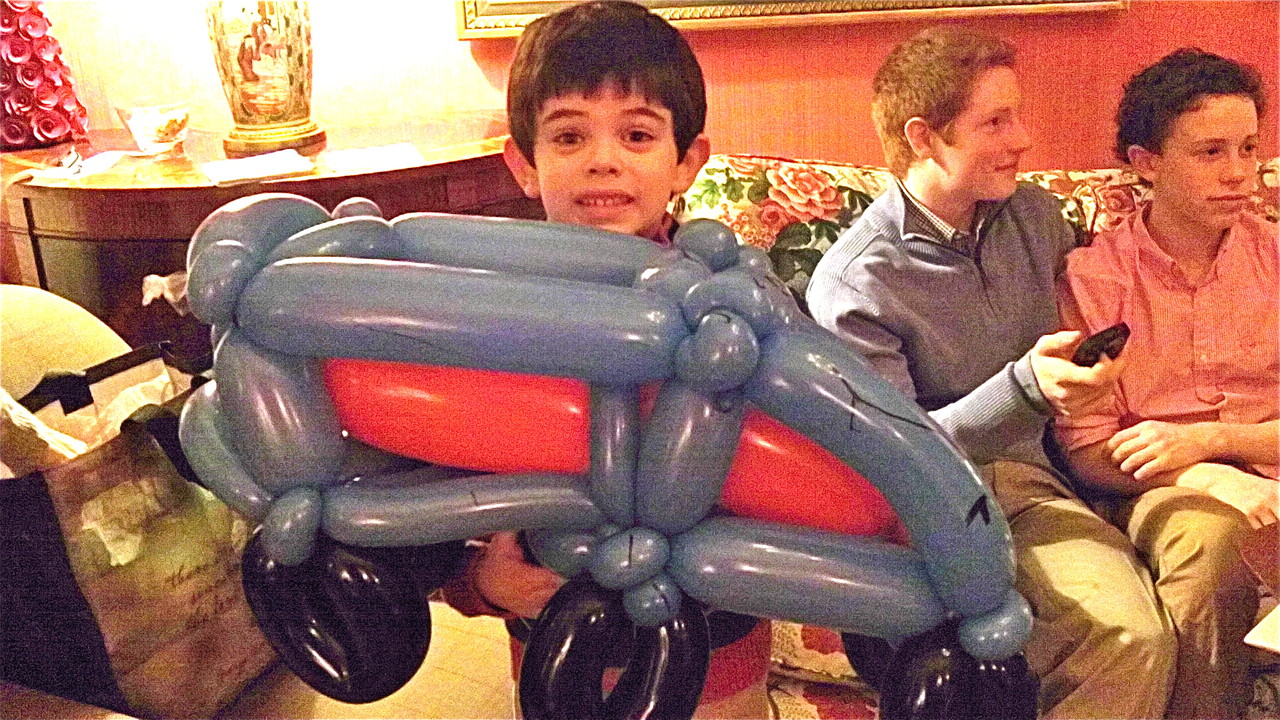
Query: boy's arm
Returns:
{"type": "Point", "coordinates": [1253, 495]}
{"type": "Point", "coordinates": [1152, 447]}
{"type": "Point", "coordinates": [497, 580]}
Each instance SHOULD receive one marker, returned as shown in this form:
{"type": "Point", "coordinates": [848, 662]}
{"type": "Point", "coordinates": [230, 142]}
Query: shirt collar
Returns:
{"type": "Point", "coordinates": [1157, 258]}
{"type": "Point", "coordinates": [920, 220]}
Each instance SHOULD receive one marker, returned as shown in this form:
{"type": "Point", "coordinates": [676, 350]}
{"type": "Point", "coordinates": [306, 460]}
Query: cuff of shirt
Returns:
{"type": "Point", "coordinates": [1025, 377]}
{"type": "Point", "coordinates": [462, 594]}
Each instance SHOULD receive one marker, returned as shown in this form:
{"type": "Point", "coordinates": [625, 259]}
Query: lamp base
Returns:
{"type": "Point", "coordinates": [304, 136]}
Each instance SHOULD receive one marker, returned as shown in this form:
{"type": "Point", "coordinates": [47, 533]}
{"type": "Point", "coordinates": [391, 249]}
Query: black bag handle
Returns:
{"type": "Point", "coordinates": [71, 388]}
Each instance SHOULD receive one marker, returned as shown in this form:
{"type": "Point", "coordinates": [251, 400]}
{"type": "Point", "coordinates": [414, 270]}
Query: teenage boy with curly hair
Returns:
{"type": "Point", "coordinates": [1189, 444]}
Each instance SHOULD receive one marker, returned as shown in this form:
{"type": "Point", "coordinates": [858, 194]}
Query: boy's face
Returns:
{"type": "Point", "coordinates": [606, 160]}
{"type": "Point", "coordinates": [980, 162]}
{"type": "Point", "coordinates": [1207, 168]}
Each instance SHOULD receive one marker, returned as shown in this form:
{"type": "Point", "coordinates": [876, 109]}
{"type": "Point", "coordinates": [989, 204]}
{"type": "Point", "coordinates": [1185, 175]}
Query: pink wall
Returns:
{"type": "Point", "coordinates": [805, 91]}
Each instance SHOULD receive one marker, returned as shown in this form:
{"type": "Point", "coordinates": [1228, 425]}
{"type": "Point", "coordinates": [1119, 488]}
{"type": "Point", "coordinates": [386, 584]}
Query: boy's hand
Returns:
{"type": "Point", "coordinates": [505, 580]}
{"type": "Point", "coordinates": [1152, 447]}
{"type": "Point", "coordinates": [1253, 495]}
{"type": "Point", "coordinates": [1069, 388]}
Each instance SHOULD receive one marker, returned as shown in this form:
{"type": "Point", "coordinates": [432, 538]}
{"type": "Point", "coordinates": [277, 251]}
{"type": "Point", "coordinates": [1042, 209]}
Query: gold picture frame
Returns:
{"type": "Point", "coordinates": [507, 18]}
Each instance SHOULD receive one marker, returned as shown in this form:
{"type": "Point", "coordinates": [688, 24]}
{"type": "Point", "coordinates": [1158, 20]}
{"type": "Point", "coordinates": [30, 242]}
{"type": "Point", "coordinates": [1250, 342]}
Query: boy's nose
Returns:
{"type": "Point", "coordinates": [603, 160]}
{"type": "Point", "coordinates": [1021, 138]}
{"type": "Point", "coordinates": [1239, 169]}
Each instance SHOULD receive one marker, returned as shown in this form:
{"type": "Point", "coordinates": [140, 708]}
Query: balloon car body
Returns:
{"type": "Point", "coordinates": [664, 423]}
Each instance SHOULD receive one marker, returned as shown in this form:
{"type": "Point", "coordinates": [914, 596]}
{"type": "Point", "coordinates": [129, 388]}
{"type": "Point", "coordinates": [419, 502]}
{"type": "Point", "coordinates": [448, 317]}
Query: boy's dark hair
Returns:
{"type": "Point", "coordinates": [930, 76]}
{"type": "Point", "coordinates": [585, 47]}
{"type": "Point", "coordinates": [1156, 96]}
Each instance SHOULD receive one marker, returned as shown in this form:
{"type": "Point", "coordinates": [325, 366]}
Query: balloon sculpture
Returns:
{"type": "Point", "coordinates": [669, 429]}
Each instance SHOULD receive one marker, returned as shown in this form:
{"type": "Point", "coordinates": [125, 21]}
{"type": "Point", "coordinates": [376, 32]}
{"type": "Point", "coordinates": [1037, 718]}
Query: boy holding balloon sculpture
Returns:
{"type": "Point", "coordinates": [946, 285]}
{"type": "Point", "coordinates": [607, 105]}
{"type": "Point", "coordinates": [1187, 451]}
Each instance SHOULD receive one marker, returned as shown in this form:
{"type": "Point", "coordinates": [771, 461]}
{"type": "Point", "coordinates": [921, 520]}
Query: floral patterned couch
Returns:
{"type": "Point", "coordinates": [796, 209]}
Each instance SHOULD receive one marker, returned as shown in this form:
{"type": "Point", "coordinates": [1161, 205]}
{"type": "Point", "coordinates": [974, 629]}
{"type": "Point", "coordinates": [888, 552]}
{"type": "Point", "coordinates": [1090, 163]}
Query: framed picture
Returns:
{"type": "Point", "coordinates": [506, 18]}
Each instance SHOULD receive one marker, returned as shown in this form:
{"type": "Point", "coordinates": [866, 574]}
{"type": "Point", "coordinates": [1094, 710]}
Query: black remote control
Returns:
{"type": "Point", "coordinates": [1109, 341]}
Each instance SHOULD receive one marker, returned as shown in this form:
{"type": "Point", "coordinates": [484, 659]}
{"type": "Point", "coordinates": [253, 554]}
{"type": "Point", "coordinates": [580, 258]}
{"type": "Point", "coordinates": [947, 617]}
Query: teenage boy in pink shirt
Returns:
{"type": "Point", "coordinates": [1189, 443]}
{"type": "Point", "coordinates": [607, 105]}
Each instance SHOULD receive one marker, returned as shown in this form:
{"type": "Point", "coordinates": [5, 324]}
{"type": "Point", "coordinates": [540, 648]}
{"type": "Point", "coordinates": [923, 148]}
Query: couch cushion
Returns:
{"type": "Point", "coordinates": [797, 208]}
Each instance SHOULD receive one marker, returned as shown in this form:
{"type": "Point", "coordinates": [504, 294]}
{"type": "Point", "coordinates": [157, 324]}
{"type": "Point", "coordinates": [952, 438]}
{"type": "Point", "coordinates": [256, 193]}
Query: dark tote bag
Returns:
{"type": "Point", "coordinates": [121, 578]}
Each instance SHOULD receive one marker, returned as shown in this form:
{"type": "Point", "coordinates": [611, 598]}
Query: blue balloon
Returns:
{"type": "Point", "coordinates": [525, 247]}
{"type": "Point", "coordinates": [565, 551]}
{"type": "Point", "coordinates": [628, 558]}
{"type": "Point", "coordinates": [720, 355]}
{"type": "Point", "coordinates": [213, 460]}
{"type": "Point", "coordinates": [259, 222]}
{"type": "Point", "coordinates": [615, 441]}
{"type": "Point", "coordinates": [814, 384]}
{"type": "Point", "coordinates": [653, 601]}
{"type": "Point", "coordinates": [709, 241]}
{"type": "Point", "coordinates": [672, 277]}
{"type": "Point", "coordinates": [360, 236]}
{"type": "Point", "coordinates": [373, 516]}
{"type": "Point", "coordinates": [818, 578]}
{"type": "Point", "coordinates": [374, 309]}
{"type": "Point", "coordinates": [998, 634]}
{"type": "Point", "coordinates": [685, 456]}
{"type": "Point", "coordinates": [278, 416]}
{"type": "Point", "coordinates": [216, 278]}
{"type": "Point", "coordinates": [356, 206]}
{"type": "Point", "coordinates": [746, 295]}
{"type": "Point", "coordinates": [289, 529]}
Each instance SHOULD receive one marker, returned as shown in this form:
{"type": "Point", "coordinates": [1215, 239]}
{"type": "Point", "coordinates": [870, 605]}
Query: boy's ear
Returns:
{"type": "Point", "coordinates": [1144, 162]}
{"type": "Point", "coordinates": [525, 173]}
{"type": "Point", "coordinates": [694, 158]}
{"type": "Point", "coordinates": [919, 137]}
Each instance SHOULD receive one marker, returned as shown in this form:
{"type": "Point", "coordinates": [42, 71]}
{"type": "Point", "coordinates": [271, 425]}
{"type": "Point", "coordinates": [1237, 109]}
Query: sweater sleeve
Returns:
{"type": "Point", "coordinates": [1005, 410]}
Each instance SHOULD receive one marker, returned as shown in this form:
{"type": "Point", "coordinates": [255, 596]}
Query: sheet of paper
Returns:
{"type": "Point", "coordinates": [257, 168]}
{"type": "Point", "coordinates": [1266, 634]}
{"type": "Point", "coordinates": [373, 159]}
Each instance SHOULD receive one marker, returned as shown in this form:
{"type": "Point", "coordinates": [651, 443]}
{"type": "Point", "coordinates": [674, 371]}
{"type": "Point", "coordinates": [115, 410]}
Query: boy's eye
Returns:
{"type": "Point", "coordinates": [1249, 149]}
{"type": "Point", "coordinates": [566, 137]}
{"type": "Point", "coordinates": [639, 136]}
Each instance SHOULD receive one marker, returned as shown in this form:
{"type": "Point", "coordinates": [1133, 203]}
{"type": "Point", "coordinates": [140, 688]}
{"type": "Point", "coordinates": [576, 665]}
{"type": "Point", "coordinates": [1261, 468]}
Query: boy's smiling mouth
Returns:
{"type": "Point", "coordinates": [604, 199]}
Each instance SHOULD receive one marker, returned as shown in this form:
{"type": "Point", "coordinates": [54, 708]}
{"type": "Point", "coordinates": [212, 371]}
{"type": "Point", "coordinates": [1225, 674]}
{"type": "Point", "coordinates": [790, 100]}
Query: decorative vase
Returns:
{"type": "Point", "coordinates": [40, 104]}
{"type": "Point", "coordinates": [263, 53]}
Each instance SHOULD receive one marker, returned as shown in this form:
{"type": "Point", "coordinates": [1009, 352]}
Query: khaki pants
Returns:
{"type": "Point", "coordinates": [1101, 643]}
{"type": "Point", "coordinates": [1106, 641]}
{"type": "Point", "coordinates": [1191, 542]}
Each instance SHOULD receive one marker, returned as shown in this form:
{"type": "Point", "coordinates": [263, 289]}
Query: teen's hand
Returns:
{"type": "Point", "coordinates": [505, 580]}
{"type": "Point", "coordinates": [1152, 447]}
{"type": "Point", "coordinates": [1253, 495]}
{"type": "Point", "coordinates": [1069, 388]}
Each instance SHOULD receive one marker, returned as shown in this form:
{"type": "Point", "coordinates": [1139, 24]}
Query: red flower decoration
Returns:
{"type": "Point", "coordinates": [30, 75]}
{"type": "Point", "coordinates": [33, 25]}
{"type": "Point", "coordinates": [14, 132]}
{"type": "Point", "coordinates": [50, 126]}
{"type": "Point", "coordinates": [39, 102]}
{"type": "Point", "coordinates": [15, 49]}
{"type": "Point", "coordinates": [803, 192]}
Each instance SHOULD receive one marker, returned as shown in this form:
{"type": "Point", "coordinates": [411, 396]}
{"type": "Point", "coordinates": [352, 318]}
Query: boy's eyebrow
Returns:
{"type": "Point", "coordinates": [643, 110]}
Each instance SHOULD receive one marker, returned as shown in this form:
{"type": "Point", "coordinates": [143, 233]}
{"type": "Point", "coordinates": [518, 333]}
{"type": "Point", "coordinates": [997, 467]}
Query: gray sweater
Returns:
{"type": "Point", "coordinates": [948, 329]}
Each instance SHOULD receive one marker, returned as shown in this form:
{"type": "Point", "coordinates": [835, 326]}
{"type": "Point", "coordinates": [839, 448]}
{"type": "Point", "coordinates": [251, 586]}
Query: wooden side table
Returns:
{"type": "Point", "coordinates": [93, 239]}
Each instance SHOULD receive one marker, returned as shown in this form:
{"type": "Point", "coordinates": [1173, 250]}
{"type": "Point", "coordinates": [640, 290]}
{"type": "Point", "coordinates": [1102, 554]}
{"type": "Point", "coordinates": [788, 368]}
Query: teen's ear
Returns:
{"type": "Point", "coordinates": [919, 137]}
{"type": "Point", "coordinates": [1144, 162]}
{"type": "Point", "coordinates": [694, 158]}
{"type": "Point", "coordinates": [525, 173]}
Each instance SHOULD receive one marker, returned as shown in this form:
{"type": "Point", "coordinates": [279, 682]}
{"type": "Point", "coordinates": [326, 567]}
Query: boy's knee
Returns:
{"type": "Point", "coordinates": [1181, 528]}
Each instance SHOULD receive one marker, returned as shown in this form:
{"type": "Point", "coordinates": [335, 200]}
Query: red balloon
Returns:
{"type": "Point", "coordinates": [484, 420]}
{"type": "Point", "coordinates": [495, 421]}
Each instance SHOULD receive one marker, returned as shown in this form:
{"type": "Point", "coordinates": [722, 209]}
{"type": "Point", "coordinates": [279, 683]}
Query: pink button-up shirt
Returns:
{"type": "Point", "coordinates": [1205, 352]}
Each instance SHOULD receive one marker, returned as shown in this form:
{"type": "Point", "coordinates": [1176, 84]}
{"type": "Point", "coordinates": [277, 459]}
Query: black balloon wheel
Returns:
{"type": "Point", "coordinates": [931, 676]}
{"type": "Point", "coordinates": [567, 653]}
{"type": "Point", "coordinates": [352, 627]}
